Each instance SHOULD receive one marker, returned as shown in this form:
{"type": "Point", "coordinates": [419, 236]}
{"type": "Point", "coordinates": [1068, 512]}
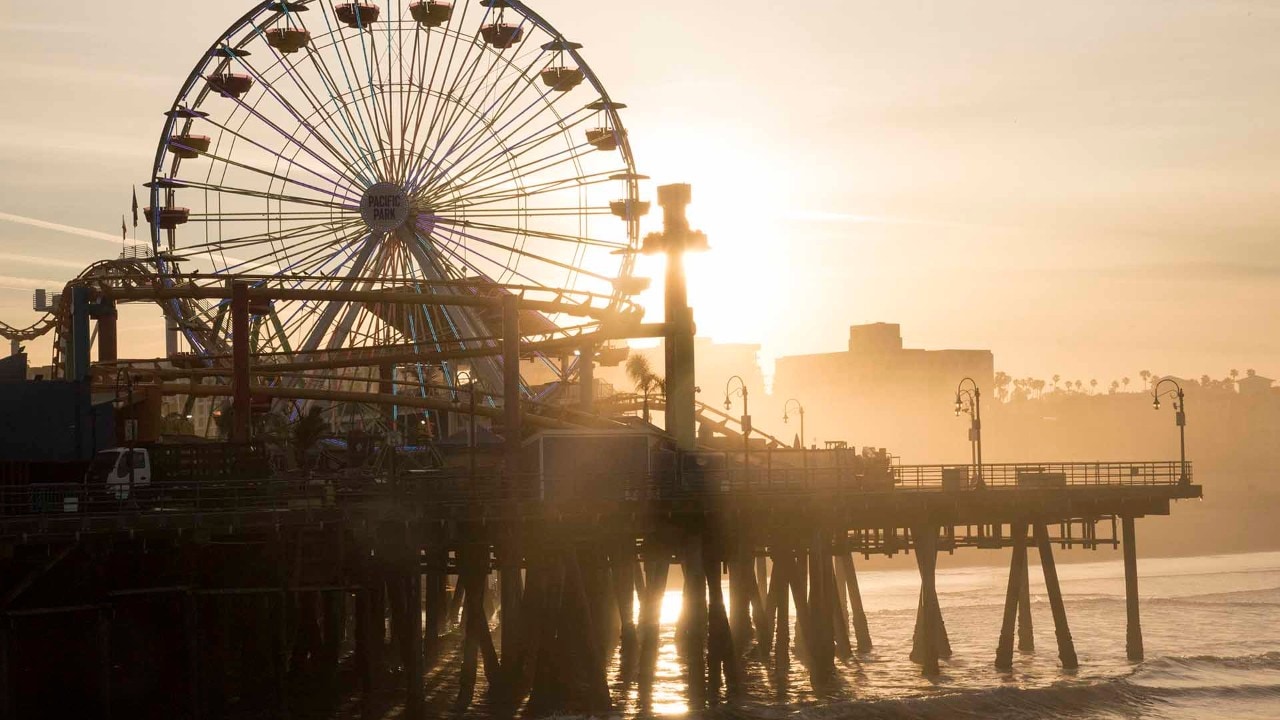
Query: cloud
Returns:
{"type": "Point", "coordinates": [17, 283]}
{"type": "Point", "coordinates": [56, 227]}
{"type": "Point", "coordinates": [45, 261]}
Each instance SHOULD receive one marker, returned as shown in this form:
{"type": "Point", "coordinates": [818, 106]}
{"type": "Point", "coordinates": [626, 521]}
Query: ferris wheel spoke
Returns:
{"type": "Point", "coordinates": [370, 52]}
{"type": "Point", "coordinates": [501, 191]}
{"type": "Point", "coordinates": [526, 232]}
{"type": "Point", "coordinates": [270, 88]}
{"type": "Point", "coordinates": [501, 163]}
{"type": "Point", "coordinates": [426, 97]}
{"type": "Point", "coordinates": [508, 97]}
{"type": "Point", "coordinates": [340, 174]}
{"type": "Point", "coordinates": [540, 165]}
{"type": "Point", "coordinates": [332, 308]}
{"type": "Point", "coordinates": [243, 266]}
{"type": "Point", "coordinates": [360, 108]}
{"type": "Point", "coordinates": [538, 101]}
{"type": "Point", "coordinates": [338, 182]}
{"type": "Point", "coordinates": [456, 250]}
{"type": "Point", "coordinates": [555, 131]}
{"type": "Point", "coordinates": [366, 106]}
{"type": "Point", "coordinates": [447, 114]}
{"type": "Point", "coordinates": [350, 150]}
{"type": "Point", "coordinates": [519, 250]}
{"type": "Point", "coordinates": [316, 229]}
{"type": "Point", "coordinates": [265, 195]}
{"type": "Point", "coordinates": [363, 152]}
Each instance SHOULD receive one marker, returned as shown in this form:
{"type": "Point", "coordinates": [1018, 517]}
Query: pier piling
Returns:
{"type": "Point", "coordinates": [1066, 646]}
{"type": "Point", "coordinates": [1133, 630]}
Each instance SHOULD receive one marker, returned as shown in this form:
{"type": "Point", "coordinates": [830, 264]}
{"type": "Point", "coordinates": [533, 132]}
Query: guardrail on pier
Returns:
{"type": "Point", "coordinates": [721, 475]}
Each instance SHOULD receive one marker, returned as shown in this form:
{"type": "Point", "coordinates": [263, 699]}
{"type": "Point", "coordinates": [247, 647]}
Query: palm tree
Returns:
{"type": "Point", "coordinates": [1056, 379]}
{"type": "Point", "coordinates": [1234, 374]}
{"type": "Point", "coordinates": [1115, 386]}
{"type": "Point", "coordinates": [1146, 378]}
{"type": "Point", "coordinates": [1093, 385]}
{"type": "Point", "coordinates": [1251, 372]}
{"type": "Point", "coordinates": [1125, 383]}
{"type": "Point", "coordinates": [645, 379]}
{"type": "Point", "coordinates": [1002, 381]}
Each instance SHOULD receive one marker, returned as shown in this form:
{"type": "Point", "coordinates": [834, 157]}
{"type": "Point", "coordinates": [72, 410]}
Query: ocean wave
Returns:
{"type": "Point", "coordinates": [1161, 682]}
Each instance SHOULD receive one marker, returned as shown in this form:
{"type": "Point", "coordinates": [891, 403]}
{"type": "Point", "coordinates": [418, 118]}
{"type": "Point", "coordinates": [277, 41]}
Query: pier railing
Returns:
{"type": "Point", "coordinates": [714, 475]}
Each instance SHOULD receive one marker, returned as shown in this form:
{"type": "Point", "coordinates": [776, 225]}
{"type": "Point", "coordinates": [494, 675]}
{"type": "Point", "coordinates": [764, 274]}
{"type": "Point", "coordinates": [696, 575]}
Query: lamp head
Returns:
{"type": "Point", "coordinates": [1156, 405]}
{"type": "Point", "coordinates": [728, 404]}
{"type": "Point", "coordinates": [786, 418]}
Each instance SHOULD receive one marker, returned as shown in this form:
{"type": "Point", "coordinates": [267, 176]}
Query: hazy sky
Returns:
{"type": "Point", "coordinates": [1087, 188]}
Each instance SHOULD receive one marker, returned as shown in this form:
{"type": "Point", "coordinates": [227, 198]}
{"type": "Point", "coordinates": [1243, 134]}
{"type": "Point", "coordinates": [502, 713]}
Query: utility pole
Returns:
{"type": "Point", "coordinates": [675, 241]}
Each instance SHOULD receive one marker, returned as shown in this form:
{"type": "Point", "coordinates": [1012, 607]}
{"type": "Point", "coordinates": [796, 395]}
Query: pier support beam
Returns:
{"type": "Point", "coordinates": [1013, 597]}
{"type": "Point", "coordinates": [1133, 634]}
{"type": "Point", "coordinates": [656, 569]}
{"type": "Point", "coordinates": [778, 586]}
{"type": "Point", "coordinates": [411, 621]}
{"type": "Point", "coordinates": [1026, 630]}
{"type": "Point", "coordinates": [928, 641]}
{"type": "Point", "coordinates": [860, 629]}
{"type": "Point", "coordinates": [622, 574]}
{"type": "Point", "coordinates": [695, 622]}
{"type": "Point", "coordinates": [1066, 646]}
{"type": "Point", "coordinates": [821, 641]}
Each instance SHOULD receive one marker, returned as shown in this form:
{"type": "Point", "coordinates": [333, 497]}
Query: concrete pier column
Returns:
{"type": "Point", "coordinates": [928, 644]}
{"type": "Point", "coordinates": [412, 632]}
{"type": "Point", "coordinates": [778, 586]}
{"type": "Point", "coordinates": [839, 603]}
{"type": "Point", "coordinates": [1013, 597]}
{"type": "Point", "coordinates": [657, 568]}
{"type": "Point", "coordinates": [512, 592]}
{"type": "Point", "coordinates": [696, 622]}
{"type": "Point", "coordinates": [1133, 634]}
{"type": "Point", "coordinates": [740, 569]}
{"type": "Point", "coordinates": [1066, 646]}
{"type": "Point", "coordinates": [622, 574]}
{"type": "Point", "coordinates": [1026, 630]}
{"type": "Point", "coordinates": [860, 628]}
{"type": "Point", "coordinates": [822, 641]}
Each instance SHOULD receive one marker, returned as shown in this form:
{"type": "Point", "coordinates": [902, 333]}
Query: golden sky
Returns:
{"type": "Point", "coordinates": [1086, 188]}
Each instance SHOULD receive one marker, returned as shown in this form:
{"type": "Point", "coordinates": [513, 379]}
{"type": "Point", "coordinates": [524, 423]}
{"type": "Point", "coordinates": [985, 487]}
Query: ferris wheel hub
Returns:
{"type": "Point", "coordinates": [384, 207]}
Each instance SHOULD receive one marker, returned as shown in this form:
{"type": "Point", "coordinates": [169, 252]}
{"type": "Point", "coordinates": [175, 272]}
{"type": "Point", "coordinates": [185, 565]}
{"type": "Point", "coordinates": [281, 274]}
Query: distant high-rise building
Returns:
{"type": "Point", "coordinates": [879, 393]}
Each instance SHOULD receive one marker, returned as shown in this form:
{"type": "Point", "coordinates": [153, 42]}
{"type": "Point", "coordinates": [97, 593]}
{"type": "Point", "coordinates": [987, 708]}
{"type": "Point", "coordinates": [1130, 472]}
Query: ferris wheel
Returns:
{"type": "Point", "coordinates": [446, 149]}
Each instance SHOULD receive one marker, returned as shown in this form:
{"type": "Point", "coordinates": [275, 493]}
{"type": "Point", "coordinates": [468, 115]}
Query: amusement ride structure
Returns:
{"type": "Point", "coordinates": [380, 180]}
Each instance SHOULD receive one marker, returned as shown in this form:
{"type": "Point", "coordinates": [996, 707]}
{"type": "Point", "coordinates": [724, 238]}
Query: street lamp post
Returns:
{"type": "Point", "coordinates": [1180, 416]}
{"type": "Point", "coordinates": [729, 392]}
{"type": "Point", "coordinates": [804, 439]}
{"type": "Point", "coordinates": [969, 399]}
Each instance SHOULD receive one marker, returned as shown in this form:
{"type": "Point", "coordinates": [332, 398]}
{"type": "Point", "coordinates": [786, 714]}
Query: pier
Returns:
{"type": "Point", "coordinates": [249, 586]}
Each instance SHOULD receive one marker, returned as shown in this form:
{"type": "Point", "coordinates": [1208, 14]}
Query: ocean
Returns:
{"type": "Point", "coordinates": [1211, 628]}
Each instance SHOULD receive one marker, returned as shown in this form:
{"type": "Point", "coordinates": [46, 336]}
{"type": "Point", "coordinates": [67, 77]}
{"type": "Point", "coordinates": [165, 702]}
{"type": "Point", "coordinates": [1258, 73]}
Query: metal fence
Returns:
{"type": "Point", "coordinates": [701, 475]}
